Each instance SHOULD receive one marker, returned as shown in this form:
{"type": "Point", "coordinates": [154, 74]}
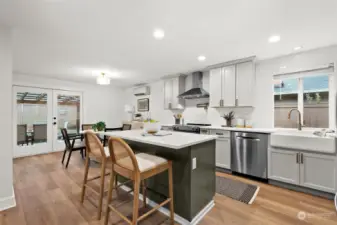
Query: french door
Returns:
{"type": "Point", "coordinates": [39, 115]}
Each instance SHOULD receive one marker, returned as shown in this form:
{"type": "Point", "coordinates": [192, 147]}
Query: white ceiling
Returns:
{"type": "Point", "coordinates": [68, 39]}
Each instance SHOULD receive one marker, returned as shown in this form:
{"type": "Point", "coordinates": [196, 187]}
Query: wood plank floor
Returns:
{"type": "Point", "coordinates": [48, 194]}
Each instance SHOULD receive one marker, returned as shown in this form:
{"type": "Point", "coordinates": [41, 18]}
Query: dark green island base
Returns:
{"type": "Point", "coordinates": [193, 189]}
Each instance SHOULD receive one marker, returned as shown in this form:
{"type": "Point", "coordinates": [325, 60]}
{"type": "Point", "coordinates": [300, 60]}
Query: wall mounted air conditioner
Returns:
{"type": "Point", "coordinates": [140, 91]}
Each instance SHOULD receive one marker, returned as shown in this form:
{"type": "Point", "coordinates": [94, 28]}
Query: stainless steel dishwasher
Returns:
{"type": "Point", "coordinates": [249, 153]}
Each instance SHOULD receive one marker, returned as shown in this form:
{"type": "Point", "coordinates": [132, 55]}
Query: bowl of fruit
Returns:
{"type": "Point", "coordinates": [151, 126]}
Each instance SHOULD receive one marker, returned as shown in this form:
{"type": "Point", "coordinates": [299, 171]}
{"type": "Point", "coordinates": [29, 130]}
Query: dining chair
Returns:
{"type": "Point", "coordinates": [39, 133]}
{"type": "Point", "coordinates": [71, 145]}
{"type": "Point", "coordinates": [96, 150]}
{"type": "Point", "coordinates": [22, 137]}
{"type": "Point", "coordinates": [106, 137]}
{"type": "Point", "coordinates": [137, 168]}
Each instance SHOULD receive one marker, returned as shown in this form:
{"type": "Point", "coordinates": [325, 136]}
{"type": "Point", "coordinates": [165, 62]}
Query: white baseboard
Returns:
{"type": "Point", "coordinates": [177, 218]}
{"type": "Point", "coordinates": [8, 202]}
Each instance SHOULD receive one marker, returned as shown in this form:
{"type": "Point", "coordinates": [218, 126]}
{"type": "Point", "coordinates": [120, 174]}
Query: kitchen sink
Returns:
{"type": "Point", "coordinates": [303, 140]}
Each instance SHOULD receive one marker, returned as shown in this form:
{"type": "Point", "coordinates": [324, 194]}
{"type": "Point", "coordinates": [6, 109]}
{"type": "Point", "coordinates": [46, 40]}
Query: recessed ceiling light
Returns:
{"type": "Point", "coordinates": [274, 39]}
{"type": "Point", "coordinates": [283, 67]}
{"type": "Point", "coordinates": [297, 48]}
{"type": "Point", "coordinates": [158, 34]}
{"type": "Point", "coordinates": [201, 58]}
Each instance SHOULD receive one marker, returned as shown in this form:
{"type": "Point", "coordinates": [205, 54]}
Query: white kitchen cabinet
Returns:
{"type": "Point", "coordinates": [232, 86]}
{"type": "Point", "coordinates": [318, 172]}
{"type": "Point", "coordinates": [309, 170]}
{"type": "Point", "coordinates": [283, 166]}
{"type": "Point", "coordinates": [223, 153]}
{"type": "Point", "coordinates": [245, 80]}
{"type": "Point", "coordinates": [215, 87]}
{"type": "Point", "coordinates": [172, 88]}
{"type": "Point", "coordinates": [228, 86]}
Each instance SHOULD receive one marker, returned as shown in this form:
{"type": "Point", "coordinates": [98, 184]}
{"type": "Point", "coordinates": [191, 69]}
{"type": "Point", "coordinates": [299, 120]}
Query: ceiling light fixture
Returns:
{"type": "Point", "coordinates": [201, 58]}
{"type": "Point", "coordinates": [102, 79]}
{"type": "Point", "coordinates": [283, 67]}
{"type": "Point", "coordinates": [297, 48]}
{"type": "Point", "coordinates": [274, 39]}
{"type": "Point", "coordinates": [158, 34]}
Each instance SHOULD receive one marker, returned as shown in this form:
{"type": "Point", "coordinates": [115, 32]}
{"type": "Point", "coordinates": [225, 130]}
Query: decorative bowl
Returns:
{"type": "Point", "coordinates": [152, 127]}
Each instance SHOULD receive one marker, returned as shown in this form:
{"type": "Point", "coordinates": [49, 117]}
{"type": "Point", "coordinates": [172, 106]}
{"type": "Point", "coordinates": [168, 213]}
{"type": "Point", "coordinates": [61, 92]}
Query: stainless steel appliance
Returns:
{"type": "Point", "coordinates": [197, 90]}
{"type": "Point", "coordinates": [249, 153]}
{"type": "Point", "coordinates": [190, 127]}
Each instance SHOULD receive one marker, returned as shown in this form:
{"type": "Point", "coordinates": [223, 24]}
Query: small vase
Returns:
{"type": "Point", "coordinates": [229, 123]}
{"type": "Point", "coordinates": [177, 121]}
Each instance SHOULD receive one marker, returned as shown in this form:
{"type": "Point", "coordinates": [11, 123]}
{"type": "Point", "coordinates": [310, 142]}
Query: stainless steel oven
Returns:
{"type": "Point", "coordinates": [249, 153]}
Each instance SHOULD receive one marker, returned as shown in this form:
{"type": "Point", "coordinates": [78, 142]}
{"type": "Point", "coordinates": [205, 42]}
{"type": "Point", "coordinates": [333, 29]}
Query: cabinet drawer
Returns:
{"type": "Point", "coordinates": [222, 133]}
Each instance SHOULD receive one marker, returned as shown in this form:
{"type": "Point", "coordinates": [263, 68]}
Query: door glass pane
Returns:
{"type": "Point", "coordinates": [316, 101]}
{"type": "Point", "coordinates": [285, 98]}
{"type": "Point", "coordinates": [31, 115]}
{"type": "Point", "coordinates": [68, 114]}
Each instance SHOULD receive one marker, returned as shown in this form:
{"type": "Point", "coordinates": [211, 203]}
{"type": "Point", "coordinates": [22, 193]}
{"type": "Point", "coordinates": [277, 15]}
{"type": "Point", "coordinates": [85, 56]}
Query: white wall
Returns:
{"type": "Point", "coordinates": [263, 113]}
{"type": "Point", "coordinates": [103, 103]}
{"type": "Point", "coordinates": [6, 163]}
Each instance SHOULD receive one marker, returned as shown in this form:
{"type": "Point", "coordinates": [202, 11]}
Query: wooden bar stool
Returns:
{"type": "Point", "coordinates": [95, 149]}
{"type": "Point", "coordinates": [137, 168]}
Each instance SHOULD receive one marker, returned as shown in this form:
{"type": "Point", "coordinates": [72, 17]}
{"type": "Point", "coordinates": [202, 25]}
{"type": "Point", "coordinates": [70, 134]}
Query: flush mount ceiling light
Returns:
{"type": "Point", "coordinates": [274, 39]}
{"type": "Point", "coordinates": [297, 48]}
{"type": "Point", "coordinates": [158, 34]}
{"type": "Point", "coordinates": [201, 58]}
{"type": "Point", "coordinates": [102, 79]}
{"type": "Point", "coordinates": [283, 67]}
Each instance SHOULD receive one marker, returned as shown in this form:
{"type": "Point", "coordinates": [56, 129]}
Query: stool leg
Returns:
{"type": "Point", "coordinates": [111, 186]}
{"type": "Point", "coordinates": [135, 200]}
{"type": "Point", "coordinates": [116, 184]}
{"type": "Point", "coordinates": [144, 193]}
{"type": "Point", "coordinates": [101, 192]}
{"type": "Point", "coordinates": [86, 170]}
{"type": "Point", "coordinates": [170, 176]}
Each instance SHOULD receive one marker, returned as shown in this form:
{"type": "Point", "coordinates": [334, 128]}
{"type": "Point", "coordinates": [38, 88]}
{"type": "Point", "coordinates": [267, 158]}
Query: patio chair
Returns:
{"type": "Point", "coordinates": [40, 133]}
{"type": "Point", "coordinates": [22, 137]}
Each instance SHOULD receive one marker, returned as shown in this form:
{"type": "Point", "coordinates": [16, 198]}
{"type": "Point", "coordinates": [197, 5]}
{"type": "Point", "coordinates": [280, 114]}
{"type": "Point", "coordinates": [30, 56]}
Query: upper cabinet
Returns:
{"type": "Point", "coordinates": [232, 86]}
{"type": "Point", "coordinates": [172, 88]}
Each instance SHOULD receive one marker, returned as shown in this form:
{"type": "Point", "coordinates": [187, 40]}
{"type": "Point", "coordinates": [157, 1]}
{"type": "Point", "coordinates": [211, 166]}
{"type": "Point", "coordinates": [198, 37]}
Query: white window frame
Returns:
{"type": "Point", "coordinates": [300, 102]}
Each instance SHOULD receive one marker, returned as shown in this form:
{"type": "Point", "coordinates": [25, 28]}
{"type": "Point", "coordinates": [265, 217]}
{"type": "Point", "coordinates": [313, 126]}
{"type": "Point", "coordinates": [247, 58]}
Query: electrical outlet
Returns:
{"type": "Point", "coordinates": [194, 163]}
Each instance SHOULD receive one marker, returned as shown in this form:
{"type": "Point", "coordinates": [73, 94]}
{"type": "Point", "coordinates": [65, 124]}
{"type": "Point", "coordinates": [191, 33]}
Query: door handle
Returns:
{"type": "Point", "coordinates": [302, 159]}
{"type": "Point", "coordinates": [54, 123]}
{"type": "Point", "coordinates": [251, 139]}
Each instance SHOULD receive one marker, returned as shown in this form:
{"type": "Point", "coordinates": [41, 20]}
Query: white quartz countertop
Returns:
{"type": "Point", "coordinates": [176, 140]}
{"type": "Point", "coordinates": [255, 130]}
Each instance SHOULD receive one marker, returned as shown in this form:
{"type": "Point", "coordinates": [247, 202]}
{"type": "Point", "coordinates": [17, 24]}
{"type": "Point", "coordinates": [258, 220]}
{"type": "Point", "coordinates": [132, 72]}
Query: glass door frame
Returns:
{"type": "Point", "coordinates": [32, 149]}
{"type": "Point", "coordinates": [58, 145]}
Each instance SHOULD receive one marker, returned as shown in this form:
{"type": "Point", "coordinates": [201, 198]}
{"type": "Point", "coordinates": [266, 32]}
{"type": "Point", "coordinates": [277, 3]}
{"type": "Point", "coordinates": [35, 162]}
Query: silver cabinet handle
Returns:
{"type": "Point", "coordinates": [219, 133]}
{"type": "Point", "coordinates": [297, 158]}
{"type": "Point", "coordinates": [302, 159]}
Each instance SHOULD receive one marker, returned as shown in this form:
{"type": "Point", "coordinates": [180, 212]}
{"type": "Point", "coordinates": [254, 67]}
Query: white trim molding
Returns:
{"type": "Point", "coordinates": [8, 202]}
{"type": "Point", "coordinates": [177, 218]}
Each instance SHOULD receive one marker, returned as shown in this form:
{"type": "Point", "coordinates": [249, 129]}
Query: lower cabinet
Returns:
{"type": "Point", "coordinates": [283, 166]}
{"type": "Point", "coordinates": [310, 170]}
{"type": "Point", "coordinates": [223, 153]}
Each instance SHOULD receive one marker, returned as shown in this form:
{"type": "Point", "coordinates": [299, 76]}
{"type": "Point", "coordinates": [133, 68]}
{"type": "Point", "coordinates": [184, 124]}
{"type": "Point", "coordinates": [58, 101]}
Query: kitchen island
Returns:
{"type": "Point", "coordinates": [193, 157]}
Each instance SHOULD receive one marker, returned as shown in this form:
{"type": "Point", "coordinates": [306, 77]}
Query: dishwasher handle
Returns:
{"type": "Point", "coordinates": [247, 138]}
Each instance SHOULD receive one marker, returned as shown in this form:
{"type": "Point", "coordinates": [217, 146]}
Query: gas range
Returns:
{"type": "Point", "coordinates": [190, 127]}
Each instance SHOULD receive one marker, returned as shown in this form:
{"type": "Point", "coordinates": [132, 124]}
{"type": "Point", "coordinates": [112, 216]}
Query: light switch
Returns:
{"type": "Point", "coordinates": [194, 163]}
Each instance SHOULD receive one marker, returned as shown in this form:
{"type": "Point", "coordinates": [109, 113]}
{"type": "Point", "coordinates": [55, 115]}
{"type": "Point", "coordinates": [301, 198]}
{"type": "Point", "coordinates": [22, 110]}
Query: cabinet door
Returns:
{"type": "Point", "coordinates": [245, 80]}
{"type": "Point", "coordinates": [223, 153]}
{"type": "Point", "coordinates": [318, 172]}
{"type": "Point", "coordinates": [215, 87]}
{"type": "Point", "coordinates": [168, 94]}
{"type": "Point", "coordinates": [176, 102]}
{"type": "Point", "coordinates": [283, 166]}
{"type": "Point", "coordinates": [228, 87]}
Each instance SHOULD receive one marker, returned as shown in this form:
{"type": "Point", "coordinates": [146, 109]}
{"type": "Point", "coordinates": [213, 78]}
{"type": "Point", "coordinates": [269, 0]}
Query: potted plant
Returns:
{"type": "Point", "coordinates": [229, 117]}
{"type": "Point", "coordinates": [151, 126]}
{"type": "Point", "coordinates": [99, 126]}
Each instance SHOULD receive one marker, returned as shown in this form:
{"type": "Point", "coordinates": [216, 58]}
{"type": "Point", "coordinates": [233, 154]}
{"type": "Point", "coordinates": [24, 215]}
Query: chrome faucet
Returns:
{"type": "Point", "coordinates": [299, 118]}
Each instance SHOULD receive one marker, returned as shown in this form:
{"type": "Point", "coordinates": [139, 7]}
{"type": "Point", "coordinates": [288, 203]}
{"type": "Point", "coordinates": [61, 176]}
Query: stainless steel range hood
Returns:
{"type": "Point", "coordinates": [197, 91]}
